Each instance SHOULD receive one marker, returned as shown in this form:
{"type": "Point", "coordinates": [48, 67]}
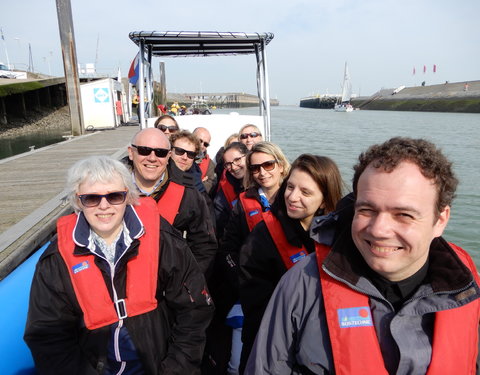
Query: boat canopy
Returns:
{"type": "Point", "coordinates": [200, 44]}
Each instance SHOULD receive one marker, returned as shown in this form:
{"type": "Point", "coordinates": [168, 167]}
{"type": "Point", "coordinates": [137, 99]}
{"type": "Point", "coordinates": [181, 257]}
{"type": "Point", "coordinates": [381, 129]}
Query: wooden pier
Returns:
{"type": "Point", "coordinates": [32, 190]}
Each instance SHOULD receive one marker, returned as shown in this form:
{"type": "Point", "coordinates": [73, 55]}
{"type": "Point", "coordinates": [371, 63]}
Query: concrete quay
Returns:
{"type": "Point", "coordinates": [446, 97]}
{"type": "Point", "coordinates": [32, 190]}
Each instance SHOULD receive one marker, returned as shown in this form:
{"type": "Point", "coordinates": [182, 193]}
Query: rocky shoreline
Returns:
{"type": "Point", "coordinates": [57, 119]}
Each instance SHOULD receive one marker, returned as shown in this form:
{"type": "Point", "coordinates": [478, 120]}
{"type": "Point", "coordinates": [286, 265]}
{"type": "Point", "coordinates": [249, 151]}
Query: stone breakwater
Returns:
{"type": "Point", "coordinates": [56, 119]}
{"type": "Point", "coordinates": [447, 97]}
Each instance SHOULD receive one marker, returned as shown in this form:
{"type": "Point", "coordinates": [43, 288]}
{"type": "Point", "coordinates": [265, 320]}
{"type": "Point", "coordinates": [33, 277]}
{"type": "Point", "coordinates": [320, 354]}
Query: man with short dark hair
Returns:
{"type": "Point", "coordinates": [384, 293]}
{"type": "Point", "coordinates": [177, 198]}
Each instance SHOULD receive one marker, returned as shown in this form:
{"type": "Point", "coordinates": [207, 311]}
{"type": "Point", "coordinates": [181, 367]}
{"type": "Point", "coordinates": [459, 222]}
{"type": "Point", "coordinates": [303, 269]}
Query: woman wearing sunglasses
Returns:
{"type": "Point", "coordinates": [249, 135]}
{"type": "Point", "coordinates": [267, 167]}
{"type": "Point", "coordinates": [313, 187]}
{"type": "Point", "coordinates": [102, 289]}
{"type": "Point", "coordinates": [167, 124]}
{"type": "Point", "coordinates": [230, 184]}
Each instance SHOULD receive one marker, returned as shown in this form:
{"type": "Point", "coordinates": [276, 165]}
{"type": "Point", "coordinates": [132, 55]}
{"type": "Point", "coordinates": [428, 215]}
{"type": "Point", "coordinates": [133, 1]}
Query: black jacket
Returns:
{"type": "Point", "coordinates": [261, 267]}
{"type": "Point", "coordinates": [194, 217]}
{"type": "Point", "coordinates": [226, 274]}
{"type": "Point", "coordinates": [168, 340]}
{"type": "Point", "coordinates": [222, 207]}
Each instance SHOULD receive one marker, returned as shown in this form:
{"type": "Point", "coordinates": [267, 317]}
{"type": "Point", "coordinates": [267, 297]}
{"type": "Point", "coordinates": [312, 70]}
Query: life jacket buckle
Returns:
{"type": "Point", "coordinates": [121, 308]}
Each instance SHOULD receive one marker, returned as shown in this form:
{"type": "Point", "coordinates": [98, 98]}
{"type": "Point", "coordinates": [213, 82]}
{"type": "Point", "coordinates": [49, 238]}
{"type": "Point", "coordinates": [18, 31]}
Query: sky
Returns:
{"type": "Point", "coordinates": [382, 41]}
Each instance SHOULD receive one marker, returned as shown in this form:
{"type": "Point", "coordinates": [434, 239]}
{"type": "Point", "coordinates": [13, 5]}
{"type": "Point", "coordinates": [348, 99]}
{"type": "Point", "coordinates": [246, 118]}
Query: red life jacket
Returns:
{"type": "Point", "coordinates": [169, 203]}
{"type": "Point", "coordinates": [290, 254]}
{"type": "Point", "coordinates": [227, 189]}
{"type": "Point", "coordinates": [92, 294]}
{"type": "Point", "coordinates": [253, 210]}
{"type": "Point", "coordinates": [204, 165]}
{"type": "Point", "coordinates": [355, 346]}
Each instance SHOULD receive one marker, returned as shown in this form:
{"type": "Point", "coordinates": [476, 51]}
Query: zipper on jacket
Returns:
{"type": "Point", "coordinates": [362, 291]}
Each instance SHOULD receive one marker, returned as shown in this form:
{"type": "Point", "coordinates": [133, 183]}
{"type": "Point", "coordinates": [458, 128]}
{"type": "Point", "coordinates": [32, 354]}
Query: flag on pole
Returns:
{"type": "Point", "coordinates": [424, 69]}
{"type": "Point", "coordinates": [133, 73]}
{"type": "Point", "coordinates": [434, 68]}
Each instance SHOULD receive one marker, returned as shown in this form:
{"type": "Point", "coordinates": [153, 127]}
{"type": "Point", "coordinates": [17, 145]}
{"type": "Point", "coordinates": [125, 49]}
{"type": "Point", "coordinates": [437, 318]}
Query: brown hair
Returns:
{"type": "Point", "coordinates": [187, 135]}
{"type": "Point", "coordinates": [158, 120]}
{"type": "Point", "coordinates": [431, 161]}
{"type": "Point", "coordinates": [325, 173]}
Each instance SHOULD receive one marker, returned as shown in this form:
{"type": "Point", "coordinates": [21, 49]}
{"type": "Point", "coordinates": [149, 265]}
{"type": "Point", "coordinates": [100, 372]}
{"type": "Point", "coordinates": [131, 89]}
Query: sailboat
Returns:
{"type": "Point", "coordinates": [344, 103]}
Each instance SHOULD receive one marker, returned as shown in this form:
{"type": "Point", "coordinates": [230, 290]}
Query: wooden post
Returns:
{"type": "Point", "coordinates": [67, 38]}
{"type": "Point", "coordinates": [163, 85]}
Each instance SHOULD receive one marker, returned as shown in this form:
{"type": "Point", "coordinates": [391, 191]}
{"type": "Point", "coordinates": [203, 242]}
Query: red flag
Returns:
{"type": "Point", "coordinates": [424, 69]}
{"type": "Point", "coordinates": [413, 70]}
{"type": "Point", "coordinates": [434, 68]}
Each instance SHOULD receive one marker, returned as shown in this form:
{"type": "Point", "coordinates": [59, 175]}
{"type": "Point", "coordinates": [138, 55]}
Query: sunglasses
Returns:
{"type": "Point", "coordinates": [251, 135]}
{"type": "Point", "coordinates": [163, 128]}
{"type": "Point", "coordinates": [180, 151]}
{"type": "Point", "coordinates": [93, 200]}
{"type": "Point", "coordinates": [145, 151]}
{"type": "Point", "coordinates": [236, 161]}
{"type": "Point", "coordinates": [266, 165]}
{"type": "Point", "coordinates": [206, 144]}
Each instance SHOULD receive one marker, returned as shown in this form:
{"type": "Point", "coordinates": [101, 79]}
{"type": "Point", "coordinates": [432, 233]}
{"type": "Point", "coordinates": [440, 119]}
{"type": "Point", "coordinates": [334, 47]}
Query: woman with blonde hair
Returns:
{"type": "Point", "coordinates": [249, 135]}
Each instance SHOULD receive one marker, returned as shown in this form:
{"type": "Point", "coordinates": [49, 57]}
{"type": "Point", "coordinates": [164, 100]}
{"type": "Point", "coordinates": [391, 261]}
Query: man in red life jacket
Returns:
{"type": "Point", "coordinates": [207, 166]}
{"type": "Point", "coordinates": [384, 293]}
{"type": "Point", "coordinates": [178, 200]}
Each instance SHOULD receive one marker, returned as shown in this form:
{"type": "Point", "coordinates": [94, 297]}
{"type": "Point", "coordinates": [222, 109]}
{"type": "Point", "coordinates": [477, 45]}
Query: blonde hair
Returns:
{"type": "Point", "coordinates": [268, 148]}
{"type": "Point", "coordinates": [231, 138]}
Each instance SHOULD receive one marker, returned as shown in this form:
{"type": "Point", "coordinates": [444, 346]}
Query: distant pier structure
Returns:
{"type": "Point", "coordinates": [226, 100]}
{"type": "Point", "coordinates": [324, 101]}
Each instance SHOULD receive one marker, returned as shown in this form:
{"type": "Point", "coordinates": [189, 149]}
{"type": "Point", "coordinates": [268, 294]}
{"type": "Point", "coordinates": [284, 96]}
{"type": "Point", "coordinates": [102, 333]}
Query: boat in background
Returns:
{"type": "Point", "coordinates": [344, 103]}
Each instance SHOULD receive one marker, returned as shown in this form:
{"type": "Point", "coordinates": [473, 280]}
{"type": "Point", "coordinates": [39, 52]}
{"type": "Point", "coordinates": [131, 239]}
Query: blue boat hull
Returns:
{"type": "Point", "coordinates": [14, 294]}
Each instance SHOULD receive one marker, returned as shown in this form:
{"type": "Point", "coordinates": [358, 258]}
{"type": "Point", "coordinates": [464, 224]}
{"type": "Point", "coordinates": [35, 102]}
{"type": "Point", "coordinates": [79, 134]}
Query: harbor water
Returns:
{"type": "Point", "coordinates": [342, 136]}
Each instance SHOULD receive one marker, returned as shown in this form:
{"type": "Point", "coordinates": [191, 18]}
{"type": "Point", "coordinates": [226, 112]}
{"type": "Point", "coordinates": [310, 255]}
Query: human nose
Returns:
{"type": "Point", "coordinates": [379, 225]}
{"type": "Point", "coordinates": [152, 156]}
{"type": "Point", "coordinates": [103, 203]}
{"type": "Point", "coordinates": [293, 195]}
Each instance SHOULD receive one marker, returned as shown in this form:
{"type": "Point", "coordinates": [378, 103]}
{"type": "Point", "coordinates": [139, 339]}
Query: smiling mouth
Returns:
{"type": "Point", "coordinates": [383, 249]}
{"type": "Point", "coordinates": [104, 216]}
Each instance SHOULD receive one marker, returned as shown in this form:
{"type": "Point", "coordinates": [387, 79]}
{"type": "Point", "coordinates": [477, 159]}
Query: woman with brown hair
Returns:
{"type": "Point", "coordinates": [313, 187]}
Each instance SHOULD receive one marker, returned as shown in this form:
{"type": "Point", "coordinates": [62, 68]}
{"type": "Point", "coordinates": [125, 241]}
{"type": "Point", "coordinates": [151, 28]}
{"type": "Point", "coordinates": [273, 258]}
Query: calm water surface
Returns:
{"type": "Point", "coordinates": [342, 136]}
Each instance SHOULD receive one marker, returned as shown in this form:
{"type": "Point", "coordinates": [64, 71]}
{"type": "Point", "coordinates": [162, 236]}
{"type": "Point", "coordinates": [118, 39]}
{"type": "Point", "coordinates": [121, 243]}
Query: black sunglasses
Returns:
{"type": "Point", "coordinates": [236, 161]}
{"type": "Point", "coordinates": [252, 135]}
{"type": "Point", "coordinates": [171, 129]}
{"type": "Point", "coordinates": [266, 165]}
{"type": "Point", "coordinates": [206, 144]}
{"type": "Point", "coordinates": [180, 151]}
{"type": "Point", "coordinates": [93, 200]}
{"type": "Point", "coordinates": [145, 151]}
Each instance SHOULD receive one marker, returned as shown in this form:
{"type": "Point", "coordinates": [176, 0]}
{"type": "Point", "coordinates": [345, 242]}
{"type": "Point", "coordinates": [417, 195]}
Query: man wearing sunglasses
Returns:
{"type": "Point", "coordinates": [177, 198]}
{"type": "Point", "coordinates": [207, 166]}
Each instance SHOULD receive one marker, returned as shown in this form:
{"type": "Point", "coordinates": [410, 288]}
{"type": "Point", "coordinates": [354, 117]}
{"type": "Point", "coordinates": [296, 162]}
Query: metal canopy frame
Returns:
{"type": "Point", "coordinates": [200, 44]}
